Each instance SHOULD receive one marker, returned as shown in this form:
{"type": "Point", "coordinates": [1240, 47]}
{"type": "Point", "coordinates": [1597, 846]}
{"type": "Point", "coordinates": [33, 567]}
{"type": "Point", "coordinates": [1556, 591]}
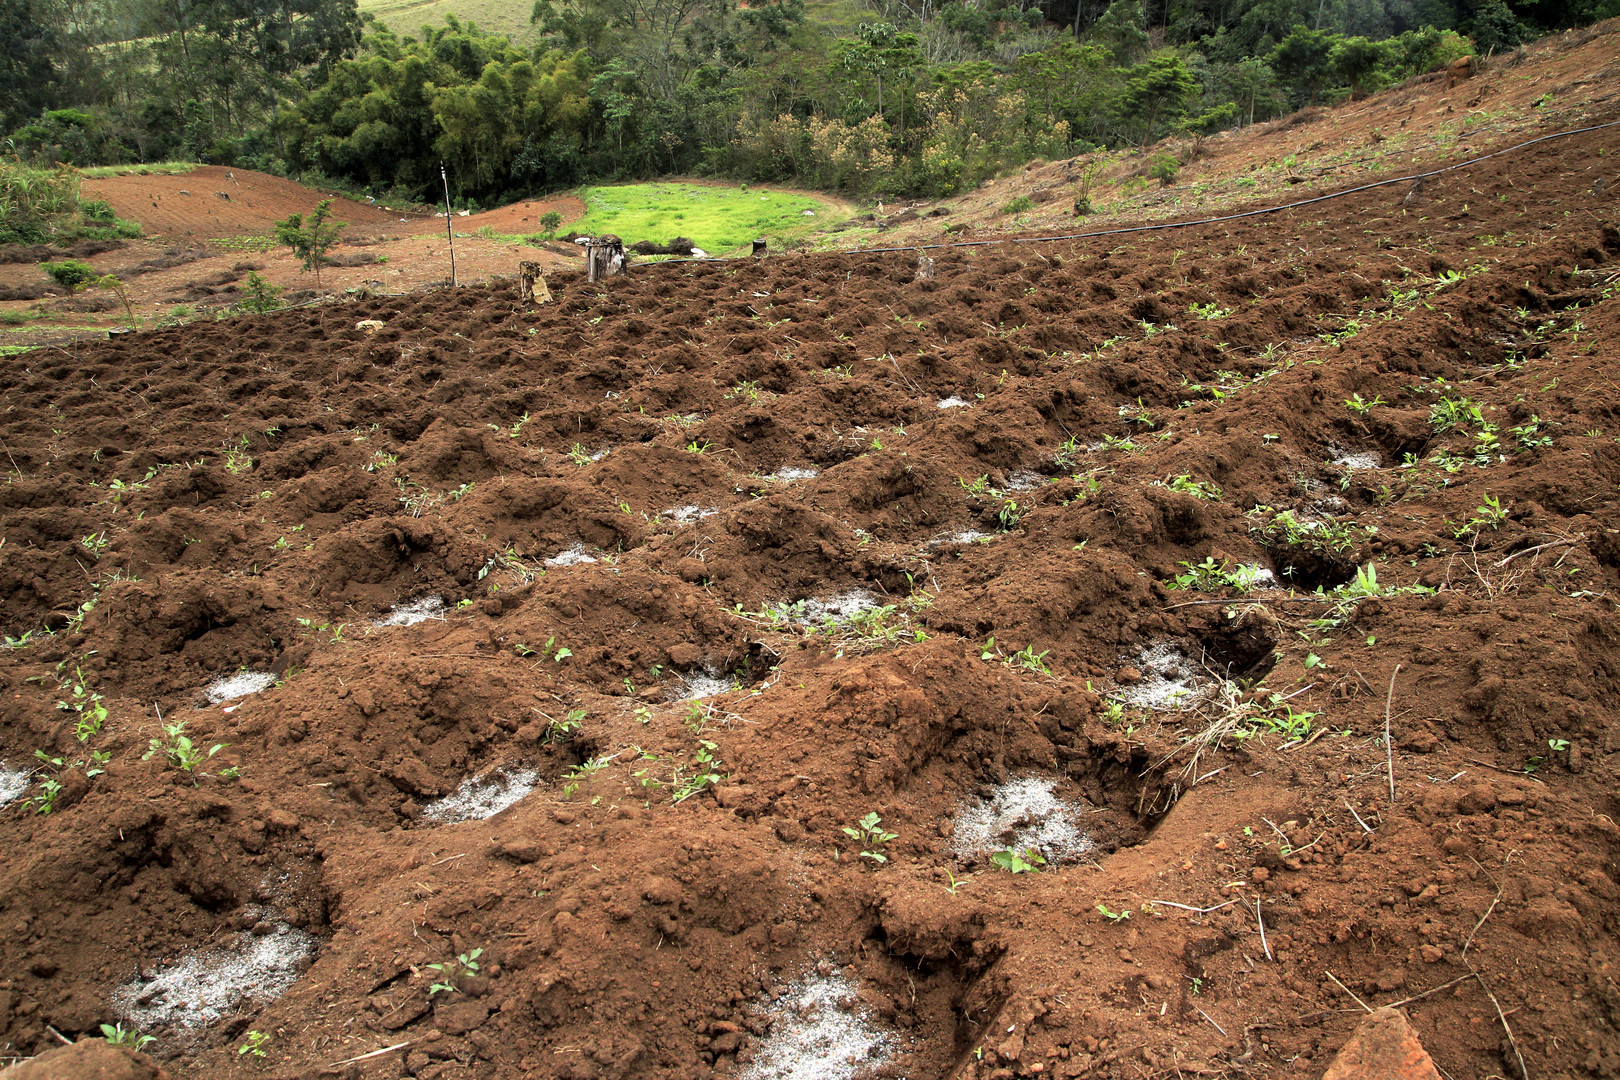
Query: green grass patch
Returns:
{"type": "Point", "coordinates": [150, 168]}
{"type": "Point", "coordinates": [716, 218]}
{"type": "Point", "coordinates": [13, 350]}
{"type": "Point", "coordinates": [494, 16]}
{"type": "Point", "coordinates": [244, 243]}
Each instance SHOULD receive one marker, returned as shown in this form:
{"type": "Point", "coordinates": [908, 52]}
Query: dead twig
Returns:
{"type": "Point", "coordinates": [1259, 919]}
{"type": "Point", "coordinates": [1389, 747]}
{"type": "Point", "coordinates": [1211, 1019]}
{"type": "Point", "coordinates": [1539, 547]}
{"type": "Point", "coordinates": [1428, 993]}
{"type": "Point", "coordinates": [1347, 990]}
{"type": "Point", "coordinates": [1189, 907]}
{"type": "Point", "coordinates": [1364, 826]}
{"type": "Point", "coordinates": [374, 1053]}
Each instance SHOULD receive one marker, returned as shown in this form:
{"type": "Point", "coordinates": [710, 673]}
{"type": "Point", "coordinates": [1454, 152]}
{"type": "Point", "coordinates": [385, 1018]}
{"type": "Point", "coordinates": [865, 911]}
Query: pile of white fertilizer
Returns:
{"type": "Point", "coordinates": [1169, 680]}
{"type": "Point", "coordinates": [820, 1031]}
{"type": "Point", "coordinates": [240, 684]}
{"type": "Point", "coordinates": [1023, 813]}
{"type": "Point", "coordinates": [481, 797]}
{"type": "Point", "coordinates": [417, 611]}
{"type": "Point", "coordinates": [250, 970]}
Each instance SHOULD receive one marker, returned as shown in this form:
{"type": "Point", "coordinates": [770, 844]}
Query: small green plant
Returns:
{"type": "Point", "coordinates": [255, 1043]}
{"type": "Point", "coordinates": [1027, 861]}
{"type": "Point", "coordinates": [1114, 916]}
{"type": "Point", "coordinates": [454, 971]}
{"type": "Point", "coordinates": [119, 1035]}
{"type": "Point", "coordinates": [1030, 660]}
{"type": "Point", "coordinates": [560, 731]}
{"type": "Point", "coordinates": [86, 703]}
{"type": "Point", "coordinates": [1198, 489]}
{"type": "Point", "coordinates": [955, 882]}
{"type": "Point", "coordinates": [1019, 205]}
{"type": "Point", "coordinates": [258, 295]}
{"type": "Point", "coordinates": [1531, 434]}
{"type": "Point", "coordinates": [550, 221]}
{"type": "Point", "coordinates": [1360, 407]}
{"type": "Point", "coordinates": [1206, 576]}
{"type": "Point", "coordinates": [696, 447]}
{"type": "Point", "coordinates": [869, 832]}
{"type": "Point", "coordinates": [1210, 311]}
{"type": "Point", "coordinates": [1487, 515]}
{"type": "Point", "coordinates": [94, 542]}
{"type": "Point", "coordinates": [705, 773]}
{"type": "Point", "coordinates": [1449, 413]}
{"type": "Point", "coordinates": [1009, 515]}
{"type": "Point", "coordinates": [310, 240]}
{"type": "Point", "coordinates": [745, 389]}
{"type": "Point", "coordinates": [179, 751]}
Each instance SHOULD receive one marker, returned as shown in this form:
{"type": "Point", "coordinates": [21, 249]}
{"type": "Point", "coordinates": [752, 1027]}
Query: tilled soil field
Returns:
{"type": "Point", "coordinates": [1115, 658]}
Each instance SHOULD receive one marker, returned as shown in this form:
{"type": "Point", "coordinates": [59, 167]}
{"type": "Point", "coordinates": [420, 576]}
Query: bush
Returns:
{"type": "Point", "coordinates": [1164, 168]}
{"type": "Point", "coordinates": [1019, 205]}
{"type": "Point", "coordinates": [259, 295]}
{"type": "Point", "coordinates": [550, 221]}
{"type": "Point", "coordinates": [70, 274]}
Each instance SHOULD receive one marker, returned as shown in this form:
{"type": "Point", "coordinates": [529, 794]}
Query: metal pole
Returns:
{"type": "Point", "coordinates": [448, 230]}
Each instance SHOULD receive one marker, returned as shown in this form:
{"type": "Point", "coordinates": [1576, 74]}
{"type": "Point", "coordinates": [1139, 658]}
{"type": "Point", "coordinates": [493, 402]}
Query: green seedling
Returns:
{"type": "Point", "coordinates": [255, 1043]}
{"type": "Point", "coordinates": [1114, 916]}
{"type": "Point", "coordinates": [1198, 489]}
{"type": "Point", "coordinates": [869, 832]}
{"type": "Point", "coordinates": [179, 751]}
{"type": "Point", "coordinates": [1206, 576]}
{"type": "Point", "coordinates": [1356, 404]}
{"type": "Point", "coordinates": [454, 971]}
{"type": "Point", "coordinates": [119, 1035]}
{"type": "Point", "coordinates": [956, 882]}
{"type": "Point", "coordinates": [706, 766]}
{"type": "Point", "coordinates": [1028, 861]}
{"type": "Point", "coordinates": [560, 731]}
{"type": "Point", "coordinates": [1030, 660]}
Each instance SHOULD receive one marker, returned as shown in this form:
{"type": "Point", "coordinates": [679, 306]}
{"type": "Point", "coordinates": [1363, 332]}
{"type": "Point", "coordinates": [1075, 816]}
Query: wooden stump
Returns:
{"type": "Point", "coordinates": [925, 268]}
{"type": "Point", "coordinates": [532, 284]}
{"type": "Point", "coordinates": [759, 246]}
{"type": "Point", "coordinates": [604, 257]}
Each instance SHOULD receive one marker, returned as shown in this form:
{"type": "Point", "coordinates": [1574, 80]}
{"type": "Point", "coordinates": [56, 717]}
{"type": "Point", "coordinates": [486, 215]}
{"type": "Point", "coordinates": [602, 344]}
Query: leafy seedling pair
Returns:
{"type": "Point", "coordinates": [451, 972]}
{"type": "Point", "coordinates": [869, 832]}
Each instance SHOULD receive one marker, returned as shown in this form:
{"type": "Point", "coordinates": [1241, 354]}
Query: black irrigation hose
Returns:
{"type": "Point", "coordinates": [1208, 221]}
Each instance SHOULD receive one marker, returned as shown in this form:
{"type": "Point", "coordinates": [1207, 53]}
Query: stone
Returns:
{"type": "Point", "coordinates": [1383, 1047]}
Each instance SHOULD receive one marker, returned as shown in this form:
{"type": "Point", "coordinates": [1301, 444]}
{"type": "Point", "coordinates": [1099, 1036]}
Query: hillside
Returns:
{"type": "Point", "coordinates": [508, 17]}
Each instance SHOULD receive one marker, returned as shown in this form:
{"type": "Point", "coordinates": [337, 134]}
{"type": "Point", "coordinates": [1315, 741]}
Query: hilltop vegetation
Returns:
{"type": "Point", "coordinates": [902, 99]}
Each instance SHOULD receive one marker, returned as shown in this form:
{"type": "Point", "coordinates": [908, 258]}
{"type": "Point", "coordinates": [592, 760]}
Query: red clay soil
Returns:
{"type": "Point", "coordinates": [213, 202]}
{"type": "Point", "coordinates": [255, 493]}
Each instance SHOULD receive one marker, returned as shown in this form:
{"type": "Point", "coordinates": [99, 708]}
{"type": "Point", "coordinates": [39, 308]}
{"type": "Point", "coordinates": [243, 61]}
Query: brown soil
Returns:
{"type": "Point", "coordinates": [283, 480]}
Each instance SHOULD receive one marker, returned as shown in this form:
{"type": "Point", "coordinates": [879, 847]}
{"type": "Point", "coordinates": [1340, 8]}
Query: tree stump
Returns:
{"type": "Point", "coordinates": [532, 284]}
{"type": "Point", "coordinates": [925, 268]}
{"type": "Point", "coordinates": [604, 257]}
{"type": "Point", "coordinates": [759, 246]}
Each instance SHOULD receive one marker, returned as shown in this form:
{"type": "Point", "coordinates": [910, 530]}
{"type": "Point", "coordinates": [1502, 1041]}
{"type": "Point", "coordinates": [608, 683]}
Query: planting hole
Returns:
{"type": "Point", "coordinates": [1346, 459]}
{"type": "Point", "coordinates": [789, 473]}
{"type": "Point", "coordinates": [1024, 480]}
{"type": "Point", "coordinates": [574, 556]}
{"type": "Point", "coordinates": [688, 515]}
{"type": "Point", "coordinates": [966, 536]}
{"type": "Point", "coordinates": [240, 684]}
{"type": "Point", "coordinates": [249, 971]}
{"type": "Point", "coordinates": [416, 611]}
{"type": "Point", "coordinates": [481, 797]}
{"type": "Point", "coordinates": [703, 684]}
{"type": "Point", "coordinates": [1023, 813]}
{"type": "Point", "coordinates": [1162, 677]}
{"type": "Point", "coordinates": [820, 1030]}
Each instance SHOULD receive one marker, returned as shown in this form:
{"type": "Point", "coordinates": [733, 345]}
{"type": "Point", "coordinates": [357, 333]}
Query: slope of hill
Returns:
{"type": "Point", "coordinates": [1131, 656]}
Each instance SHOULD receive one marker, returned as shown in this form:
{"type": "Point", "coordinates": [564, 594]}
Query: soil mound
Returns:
{"type": "Point", "coordinates": [1102, 659]}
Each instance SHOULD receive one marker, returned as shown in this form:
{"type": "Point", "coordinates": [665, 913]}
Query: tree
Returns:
{"type": "Point", "coordinates": [550, 220]}
{"type": "Point", "coordinates": [1355, 58]}
{"type": "Point", "coordinates": [1159, 88]}
{"type": "Point", "coordinates": [1302, 58]}
{"type": "Point", "coordinates": [312, 241]}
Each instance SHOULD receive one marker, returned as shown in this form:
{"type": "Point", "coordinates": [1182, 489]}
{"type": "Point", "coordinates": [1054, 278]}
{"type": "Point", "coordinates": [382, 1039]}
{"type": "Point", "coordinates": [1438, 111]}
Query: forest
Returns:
{"type": "Point", "coordinates": [869, 97]}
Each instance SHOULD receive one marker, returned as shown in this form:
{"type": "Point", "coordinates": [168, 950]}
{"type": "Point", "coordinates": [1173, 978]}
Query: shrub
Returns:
{"type": "Point", "coordinates": [1019, 205]}
{"type": "Point", "coordinates": [550, 221]}
{"type": "Point", "coordinates": [1164, 168]}
{"type": "Point", "coordinates": [70, 274]}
